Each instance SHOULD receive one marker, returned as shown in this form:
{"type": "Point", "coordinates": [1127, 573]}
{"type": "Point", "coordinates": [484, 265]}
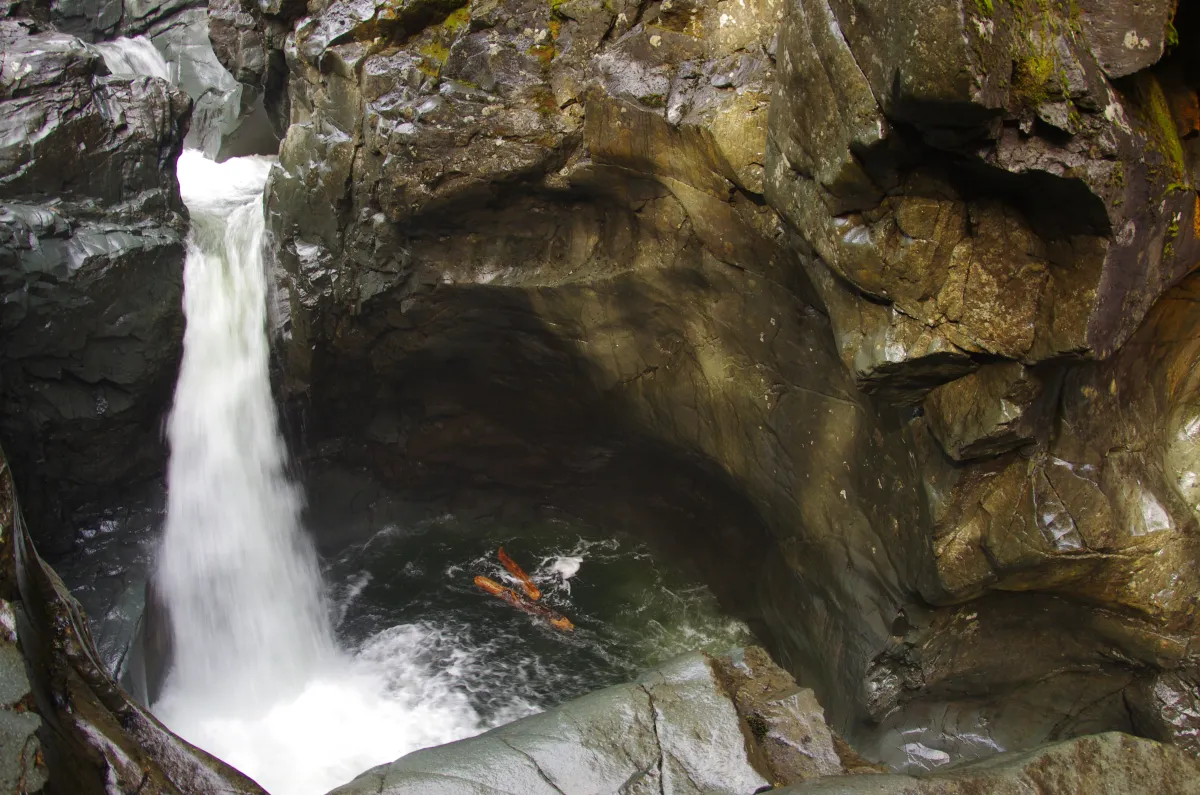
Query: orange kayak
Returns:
{"type": "Point", "coordinates": [556, 620]}
{"type": "Point", "coordinates": [527, 585]}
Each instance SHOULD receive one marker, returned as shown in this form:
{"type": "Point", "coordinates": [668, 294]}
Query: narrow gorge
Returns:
{"type": "Point", "coordinates": [832, 367]}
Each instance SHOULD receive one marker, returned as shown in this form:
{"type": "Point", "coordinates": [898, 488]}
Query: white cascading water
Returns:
{"type": "Point", "coordinates": [256, 676]}
{"type": "Point", "coordinates": [235, 569]}
{"type": "Point", "coordinates": [136, 56]}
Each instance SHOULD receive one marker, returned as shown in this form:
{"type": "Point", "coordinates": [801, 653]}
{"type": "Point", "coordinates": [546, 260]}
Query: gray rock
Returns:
{"type": "Point", "coordinates": [674, 731]}
{"type": "Point", "coordinates": [1126, 37]}
{"type": "Point", "coordinates": [91, 259]}
{"type": "Point", "coordinates": [101, 20]}
{"type": "Point", "coordinates": [218, 105]}
{"type": "Point", "coordinates": [22, 765]}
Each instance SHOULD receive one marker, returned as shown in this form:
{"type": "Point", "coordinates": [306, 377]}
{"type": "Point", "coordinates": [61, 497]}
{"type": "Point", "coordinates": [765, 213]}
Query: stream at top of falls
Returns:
{"type": "Point", "coordinates": [303, 674]}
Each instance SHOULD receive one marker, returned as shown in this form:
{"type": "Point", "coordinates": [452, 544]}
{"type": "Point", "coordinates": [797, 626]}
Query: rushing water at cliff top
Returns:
{"type": "Point", "coordinates": [136, 56]}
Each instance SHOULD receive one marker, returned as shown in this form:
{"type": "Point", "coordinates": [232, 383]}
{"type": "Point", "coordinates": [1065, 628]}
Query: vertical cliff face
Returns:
{"type": "Point", "coordinates": [982, 223]}
{"type": "Point", "coordinates": [91, 256]}
{"type": "Point", "coordinates": [546, 218]}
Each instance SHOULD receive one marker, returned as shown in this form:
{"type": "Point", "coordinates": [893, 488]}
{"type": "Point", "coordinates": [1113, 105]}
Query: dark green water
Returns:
{"type": "Point", "coordinates": [412, 587]}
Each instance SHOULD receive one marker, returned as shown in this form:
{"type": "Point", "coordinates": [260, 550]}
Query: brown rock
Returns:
{"type": "Point", "coordinates": [986, 413]}
{"type": "Point", "coordinates": [1103, 764]}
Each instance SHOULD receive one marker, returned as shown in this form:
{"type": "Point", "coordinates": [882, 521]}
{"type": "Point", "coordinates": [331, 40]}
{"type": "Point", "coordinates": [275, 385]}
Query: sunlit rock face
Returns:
{"type": "Point", "coordinates": [980, 223]}
{"type": "Point", "coordinates": [720, 226]}
{"type": "Point", "coordinates": [1104, 510]}
{"type": "Point", "coordinates": [976, 169]}
{"type": "Point", "coordinates": [91, 255]}
{"type": "Point", "coordinates": [536, 221]}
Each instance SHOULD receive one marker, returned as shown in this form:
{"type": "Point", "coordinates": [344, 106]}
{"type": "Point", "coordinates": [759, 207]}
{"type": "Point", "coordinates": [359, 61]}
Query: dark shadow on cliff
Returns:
{"type": "Point", "coordinates": [476, 406]}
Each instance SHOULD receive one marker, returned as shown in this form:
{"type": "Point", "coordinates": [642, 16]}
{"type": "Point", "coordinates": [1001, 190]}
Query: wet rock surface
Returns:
{"type": "Point", "coordinates": [91, 258]}
{"type": "Point", "coordinates": [641, 737]}
{"type": "Point", "coordinates": [678, 729]}
{"type": "Point", "coordinates": [100, 20]}
{"type": "Point", "coordinates": [507, 258]}
{"type": "Point", "coordinates": [108, 570]}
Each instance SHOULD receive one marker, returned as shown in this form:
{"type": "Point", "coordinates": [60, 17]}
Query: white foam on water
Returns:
{"type": "Point", "coordinates": [566, 567]}
{"type": "Point", "coordinates": [371, 709]}
{"type": "Point", "coordinates": [257, 678]}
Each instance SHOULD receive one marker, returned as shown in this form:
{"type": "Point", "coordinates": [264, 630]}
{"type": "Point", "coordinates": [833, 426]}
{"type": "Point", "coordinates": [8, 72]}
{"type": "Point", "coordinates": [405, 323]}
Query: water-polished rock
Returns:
{"type": "Point", "coordinates": [101, 20]}
{"type": "Point", "coordinates": [533, 218]}
{"type": "Point", "coordinates": [91, 260]}
{"type": "Point", "coordinates": [694, 725]}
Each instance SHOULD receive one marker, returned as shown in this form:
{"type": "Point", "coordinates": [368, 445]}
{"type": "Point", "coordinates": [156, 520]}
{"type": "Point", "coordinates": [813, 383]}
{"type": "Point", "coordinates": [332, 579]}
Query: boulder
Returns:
{"type": "Point", "coordinates": [693, 725]}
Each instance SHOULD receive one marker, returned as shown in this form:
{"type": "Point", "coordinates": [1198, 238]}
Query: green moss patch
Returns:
{"type": "Point", "coordinates": [1154, 113]}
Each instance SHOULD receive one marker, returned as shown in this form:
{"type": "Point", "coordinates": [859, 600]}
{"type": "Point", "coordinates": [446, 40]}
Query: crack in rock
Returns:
{"type": "Point", "coordinates": [536, 765]}
{"type": "Point", "coordinates": [662, 754]}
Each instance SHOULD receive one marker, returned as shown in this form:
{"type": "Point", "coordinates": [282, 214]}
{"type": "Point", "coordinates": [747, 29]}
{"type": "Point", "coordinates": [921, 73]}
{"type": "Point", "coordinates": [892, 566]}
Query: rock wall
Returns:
{"type": "Point", "coordinates": [555, 217]}
{"type": "Point", "coordinates": [880, 264]}
{"type": "Point", "coordinates": [91, 265]}
{"type": "Point", "coordinates": [976, 180]}
{"type": "Point", "coordinates": [100, 20]}
{"type": "Point", "coordinates": [989, 229]}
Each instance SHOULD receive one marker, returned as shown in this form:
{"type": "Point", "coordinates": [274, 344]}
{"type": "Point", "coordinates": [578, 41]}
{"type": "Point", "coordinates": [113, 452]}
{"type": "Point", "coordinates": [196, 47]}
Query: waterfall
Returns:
{"type": "Point", "coordinates": [256, 676]}
{"type": "Point", "coordinates": [236, 571]}
{"type": "Point", "coordinates": [183, 56]}
{"type": "Point", "coordinates": [136, 56]}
